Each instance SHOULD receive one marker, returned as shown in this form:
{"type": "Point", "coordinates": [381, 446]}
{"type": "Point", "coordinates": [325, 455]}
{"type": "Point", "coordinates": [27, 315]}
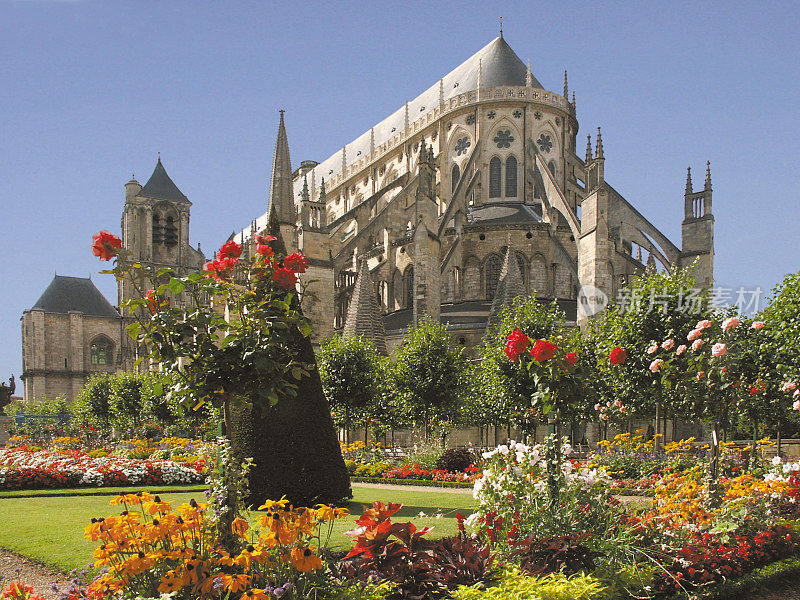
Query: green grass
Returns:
{"type": "Point", "coordinates": [49, 528]}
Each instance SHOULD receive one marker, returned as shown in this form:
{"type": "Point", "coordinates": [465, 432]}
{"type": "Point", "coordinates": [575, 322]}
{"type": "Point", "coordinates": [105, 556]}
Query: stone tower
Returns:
{"type": "Point", "coordinates": [697, 247]}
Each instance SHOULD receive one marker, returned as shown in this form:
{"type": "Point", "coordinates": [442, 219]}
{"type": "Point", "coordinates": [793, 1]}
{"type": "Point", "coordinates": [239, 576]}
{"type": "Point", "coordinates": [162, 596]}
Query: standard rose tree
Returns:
{"type": "Point", "coordinates": [248, 353]}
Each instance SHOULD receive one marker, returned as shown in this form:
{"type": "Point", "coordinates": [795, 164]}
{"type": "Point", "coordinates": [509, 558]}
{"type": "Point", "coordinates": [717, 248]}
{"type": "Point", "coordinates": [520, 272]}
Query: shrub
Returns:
{"type": "Point", "coordinates": [566, 553]}
{"type": "Point", "coordinates": [98, 453]}
{"type": "Point", "coordinates": [351, 466]}
{"type": "Point", "coordinates": [455, 460]}
{"type": "Point", "coordinates": [514, 585]}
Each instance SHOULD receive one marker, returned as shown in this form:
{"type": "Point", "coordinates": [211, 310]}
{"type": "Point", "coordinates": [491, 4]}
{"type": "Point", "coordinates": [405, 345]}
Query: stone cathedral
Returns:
{"type": "Point", "coordinates": [467, 196]}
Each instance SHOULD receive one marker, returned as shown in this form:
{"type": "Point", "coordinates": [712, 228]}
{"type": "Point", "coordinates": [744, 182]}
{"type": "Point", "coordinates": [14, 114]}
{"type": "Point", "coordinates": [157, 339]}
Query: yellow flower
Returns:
{"type": "Point", "coordinates": [235, 583]}
{"type": "Point", "coordinates": [304, 559]}
{"type": "Point", "coordinates": [240, 527]}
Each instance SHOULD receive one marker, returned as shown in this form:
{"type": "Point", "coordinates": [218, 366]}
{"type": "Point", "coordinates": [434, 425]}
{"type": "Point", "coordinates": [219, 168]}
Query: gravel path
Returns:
{"type": "Point", "coordinates": [30, 572]}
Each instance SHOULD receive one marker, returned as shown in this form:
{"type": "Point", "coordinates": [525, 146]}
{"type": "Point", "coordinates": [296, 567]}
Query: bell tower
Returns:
{"type": "Point", "coordinates": [697, 247]}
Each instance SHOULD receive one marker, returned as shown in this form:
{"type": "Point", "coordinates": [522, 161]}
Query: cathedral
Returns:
{"type": "Point", "coordinates": [466, 197]}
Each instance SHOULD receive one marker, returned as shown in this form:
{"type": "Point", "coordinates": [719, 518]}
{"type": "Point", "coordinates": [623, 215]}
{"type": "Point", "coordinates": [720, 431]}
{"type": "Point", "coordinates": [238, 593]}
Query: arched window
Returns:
{"type": "Point", "coordinates": [523, 271]}
{"type": "Point", "coordinates": [100, 352]}
{"type": "Point", "coordinates": [408, 282]}
{"type": "Point", "coordinates": [552, 166]}
{"type": "Point", "coordinates": [511, 177]}
{"type": "Point", "coordinates": [495, 167]}
{"type": "Point", "coordinates": [492, 276]}
{"type": "Point", "coordinates": [158, 230]}
{"type": "Point", "coordinates": [456, 176]}
{"type": "Point", "coordinates": [170, 233]}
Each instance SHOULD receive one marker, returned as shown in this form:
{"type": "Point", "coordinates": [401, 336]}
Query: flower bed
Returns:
{"type": "Point", "coordinates": [27, 468]}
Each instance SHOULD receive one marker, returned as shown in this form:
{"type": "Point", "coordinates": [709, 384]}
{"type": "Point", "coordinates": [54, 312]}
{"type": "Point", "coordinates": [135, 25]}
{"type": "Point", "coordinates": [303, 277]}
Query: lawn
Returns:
{"type": "Point", "coordinates": [49, 529]}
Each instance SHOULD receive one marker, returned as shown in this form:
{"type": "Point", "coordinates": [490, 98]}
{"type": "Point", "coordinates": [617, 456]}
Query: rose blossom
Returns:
{"type": "Point", "coordinates": [694, 334]}
{"type": "Point", "coordinates": [105, 245]}
{"type": "Point", "coordinates": [668, 344]}
{"type": "Point", "coordinates": [617, 356]}
{"type": "Point", "coordinates": [296, 262]}
{"type": "Point", "coordinates": [788, 386]}
{"type": "Point", "coordinates": [757, 325]}
{"type": "Point", "coordinates": [656, 364]}
{"type": "Point", "coordinates": [730, 323]}
{"type": "Point", "coordinates": [681, 349]}
{"type": "Point", "coordinates": [697, 344]}
{"type": "Point", "coordinates": [517, 342]}
{"type": "Point", "coordinates": [652, 349]}
{"type": "Point", "coordinates": [622, 409]}
{"type": "Point", "coordinates": [700, 375]}
{"type": "Point", "coordinates": [543, 350]}
{"type": "Point", "coordinates": [796, 393]}
{"type": "Point", "coordinates": [571, 359]}
{"type": "Point", "coordinates": [796, 405]}
{"type": "Point", "coordinates": [284, 278]}
{"type": "Point", "coordinates": [718, 349]}
{"type": "Point", "coordinates": [705, 324]}
{"type": "Point", "coordinates": [597, 406]}
{"type": "Point", "coordinates": [230, 250]}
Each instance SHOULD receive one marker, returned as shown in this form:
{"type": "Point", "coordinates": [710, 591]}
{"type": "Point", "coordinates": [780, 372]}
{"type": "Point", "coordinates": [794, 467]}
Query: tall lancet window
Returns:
{"type": "Point", "coordinates": [492, 275]}
{"type": "Point", "coordinates": [409, 285]}
{"type": "Point", "coordinates": [511, 177]}
{"type": "Point", "coordinates": [158, 230]}
{"type": "Point", "coordinates": [456, 176]}
{"type": "Point", "coordinates": [495, 168]}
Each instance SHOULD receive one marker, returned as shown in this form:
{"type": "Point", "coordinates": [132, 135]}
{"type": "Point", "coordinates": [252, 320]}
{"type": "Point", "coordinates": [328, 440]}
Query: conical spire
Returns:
{"type": "Point", "coordinates": [599, 152]}
{"type": "Point", "coordinates": [566, 87]}
{"type": "Point", "coordinates": [305, 196]}
{"type": "Point", "coordinates": [281, 195]}
{"type": "Point", "coordinates": [588, 148]}
{"type": "Point", "coordinates": [323, 197]}
{"type": "Point", "coordinates": [363, 315]}
{"type": "Point", "coordinates": [688, 180]}
{"type": "Point", "coordinates": [708, 175]}
{"type": "Point", "coordinates": [160, 186]}
{"type": "Point", "coordinates": [508, 288]}
{"type": "Point", "coordinates": [573, 99]}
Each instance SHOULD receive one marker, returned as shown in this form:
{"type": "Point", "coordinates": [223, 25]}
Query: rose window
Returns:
{"type": "Point", "coordinates": [504, 138]}
{"type": "Point", "coordinates": [491, 114]}
{"type": "Point", "coordinates": [517, 114]}
{"type": "Point", "coordinates": [545, 143]}
{"type": "Point", "coordinates": [470, 119]}
{"type": "Point", "coordinates": [461, 146]}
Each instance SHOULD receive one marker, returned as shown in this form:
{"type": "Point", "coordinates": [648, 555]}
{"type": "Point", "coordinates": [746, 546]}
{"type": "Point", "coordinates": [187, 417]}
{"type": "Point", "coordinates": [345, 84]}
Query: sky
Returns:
{"type": "Point", "coordinates": [91, 91]}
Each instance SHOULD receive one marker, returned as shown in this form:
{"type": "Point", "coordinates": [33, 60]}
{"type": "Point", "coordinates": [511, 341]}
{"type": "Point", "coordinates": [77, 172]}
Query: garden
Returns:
{"type": "Point", "coordinates": [272, 512]}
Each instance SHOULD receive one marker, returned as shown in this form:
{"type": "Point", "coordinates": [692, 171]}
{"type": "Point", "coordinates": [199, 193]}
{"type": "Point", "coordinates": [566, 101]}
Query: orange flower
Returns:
{"type": "Point", "coordinates": [304, 559]}
{"type": "Point", "coordinates": [240, 527]}
{"type": "Point", "coordinates": [235, 583]}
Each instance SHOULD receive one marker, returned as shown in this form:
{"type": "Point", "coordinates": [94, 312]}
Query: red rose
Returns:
{"type": "Point", "coordinates": [617, 356]}
{"type": "Point", "coordinates": [106, 245]}
{"type": "Point", "coordinates": [154, 301]}
{"type": "Point", "coordinates": [296, 262]}
{"type": "Point", "coordinates": [284, 278]}
{"type": "Point", "coordinates": [543, 350]}
{"type": "Point", "coordinates": [230, 250]}
{"type": "Point", "coordinates": [264, 240]}
{"type": "Point", "coordinates": [517, 342]}
{"type": "Point", "coordinates": [265, 250]}
{"type": "Point", "coordinates": [571, 359]}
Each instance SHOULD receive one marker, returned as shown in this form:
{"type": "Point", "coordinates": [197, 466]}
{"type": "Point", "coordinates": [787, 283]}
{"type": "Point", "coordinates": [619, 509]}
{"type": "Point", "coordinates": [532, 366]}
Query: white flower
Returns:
{"type": "Point", "coordinates": [503, 449]}
{"type": "Point", "coordinates": [776, 460]}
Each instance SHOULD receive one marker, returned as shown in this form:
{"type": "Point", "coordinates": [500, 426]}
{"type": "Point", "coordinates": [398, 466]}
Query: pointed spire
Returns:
{"type": "Point", "coordinates": [708, 175]}
{"type": "Point", "coordinates": [304, 194]}
{"type": "Point", "coordinates": [639, 253]}
{"type": "Point", "coordinates": [588, 148]}
{"type": "Point", "coordinates": [364, 315]}
{"type": "Point", "coordinates": [688, 180]}
{"type": "Point", "coordinates": [529, 75]}
{"type": "Point", "coordinates": [566, 87]}
{"type": "Point", "coordinates": [573, 100]}
{"type": "Point", "coordinates": [501, 27]}
{"type": "Point", "coordinates": [423, 158]}
{"type": "Point", "coordinates": [281, 194]}
{"type": "Point", "coordinates": [313, 184]}
{"type": "Point", "coordinates": [322, 195]}
{"type": "Point", "coordinates": [599, 151]}
{"type": "Point", "coordinates": [509, 287]}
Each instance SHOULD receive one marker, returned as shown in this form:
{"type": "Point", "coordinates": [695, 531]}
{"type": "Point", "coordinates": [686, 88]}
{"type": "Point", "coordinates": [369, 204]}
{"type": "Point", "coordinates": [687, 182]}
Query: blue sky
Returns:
{"type": "Point", "coordinates": [91, 90]}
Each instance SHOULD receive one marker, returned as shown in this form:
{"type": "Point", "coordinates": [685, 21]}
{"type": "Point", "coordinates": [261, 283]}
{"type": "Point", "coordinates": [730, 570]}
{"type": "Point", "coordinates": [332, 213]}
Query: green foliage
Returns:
{"type": "Point", "coordinates": [56, 413]}
{"type": "Point", "coordinates": [351, 370]}
{"type": "Point", "coordinates": [429, 375]}
{"type": "Point", "coordinates": [513, 585]}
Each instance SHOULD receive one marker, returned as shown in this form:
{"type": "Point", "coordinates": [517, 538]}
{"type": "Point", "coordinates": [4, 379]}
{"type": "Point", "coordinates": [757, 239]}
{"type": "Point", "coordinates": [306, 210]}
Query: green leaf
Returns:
{"type": "Point", "coordinates": [176, 286]}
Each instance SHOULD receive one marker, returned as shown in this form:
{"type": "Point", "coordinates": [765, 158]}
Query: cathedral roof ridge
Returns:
{"type": "Point", "coordinates": [498, 64]}
{"type": "Point", "coordinates": [74, 294]}
{"type": "Point", "coordinates": [161, 187]}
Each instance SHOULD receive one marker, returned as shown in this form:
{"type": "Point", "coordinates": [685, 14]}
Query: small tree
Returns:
{"type": "Point", "coordinates": [429, 374]}
{"type": "Point", "coordinates": [350, 369]}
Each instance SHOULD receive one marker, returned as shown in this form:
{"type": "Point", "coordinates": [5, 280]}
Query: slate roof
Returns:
{"type": "Point", "coordinates": [65, 294]}
{"type": "Point", "coordinates": [161, 187]}
{"type": "Point", "coordinates": [497, 213]}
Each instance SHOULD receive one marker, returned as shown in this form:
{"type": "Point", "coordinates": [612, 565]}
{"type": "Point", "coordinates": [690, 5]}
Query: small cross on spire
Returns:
{"type": "Point", "coordinates": [501, 26]}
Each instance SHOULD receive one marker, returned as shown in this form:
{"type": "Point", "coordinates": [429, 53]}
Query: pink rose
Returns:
{"type": "Point", "coordinates": [718, 349]}
{"type": "Point", "coordinates": [705, 324]}
{"type": "Point", "coordinates": [788, 386]}
{"type": "Point", "coordinates": [668, 344]}
{"type": "Point", "coordinates": [700, 375]}
{"type": "Point", "coordinates": [696, 345]}
{"type": "Point", "coordinates": [622, 409]}
{"type": "Point", "coordinates": [796, 393]}
{"type": "Point", "coordinates": [656, 364]}
{"type": "Point", "coordinates": [597, 406]}
{"type": "Point", "coordinates": [680, 349]}
{"type": "Point", "coordinates": [757, 325]}
{"type": "Point", "coordinates": [617, 403]}
{"type": "Point", "coordinates": [652, 349]}
{"type": "Point", "coordinates": [730, 323]}
{"type": "Point", "coordinates": [694, 334]}
{"type": "Point", "coordinates": [796, 405]}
